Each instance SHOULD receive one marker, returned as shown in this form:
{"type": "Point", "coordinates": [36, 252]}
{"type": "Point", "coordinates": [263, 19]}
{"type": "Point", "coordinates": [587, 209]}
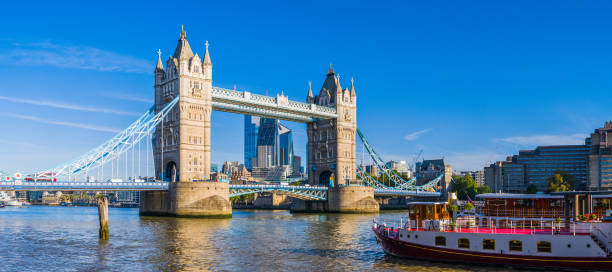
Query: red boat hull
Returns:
{"type": "Point", "coordinates": [416, 251]}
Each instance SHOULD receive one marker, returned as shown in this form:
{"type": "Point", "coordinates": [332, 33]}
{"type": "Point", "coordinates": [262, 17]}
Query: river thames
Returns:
{"type": "Point", "coordinates": [41, 238]}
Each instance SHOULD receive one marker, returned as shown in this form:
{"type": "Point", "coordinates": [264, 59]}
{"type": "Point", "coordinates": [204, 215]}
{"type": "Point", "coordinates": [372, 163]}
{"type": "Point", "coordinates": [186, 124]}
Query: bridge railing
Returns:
{"type": "Point", "coordinates": [311, 110]}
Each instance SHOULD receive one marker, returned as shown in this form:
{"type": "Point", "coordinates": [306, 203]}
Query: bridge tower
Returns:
{"type": "Point", "coordinates": [181, 143]}
{"type": "Point", "coordinates": [331, 149]}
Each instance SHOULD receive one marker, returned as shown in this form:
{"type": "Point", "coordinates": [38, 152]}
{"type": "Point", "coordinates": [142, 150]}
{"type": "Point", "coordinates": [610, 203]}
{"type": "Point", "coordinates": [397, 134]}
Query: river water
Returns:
{"type": "Point", "coordinates": [43, 238]}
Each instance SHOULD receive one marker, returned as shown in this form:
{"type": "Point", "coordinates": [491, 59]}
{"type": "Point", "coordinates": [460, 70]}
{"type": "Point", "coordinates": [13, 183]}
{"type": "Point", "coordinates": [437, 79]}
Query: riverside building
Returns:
{"type": "Point", "coordinates": [590, 164]}
{"type": "Point", "coordinates": [535, 166]}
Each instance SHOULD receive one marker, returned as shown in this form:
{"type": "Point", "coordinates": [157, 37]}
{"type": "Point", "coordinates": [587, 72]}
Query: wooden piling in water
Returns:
{"type": "Point", "coordinates": [103, 216]}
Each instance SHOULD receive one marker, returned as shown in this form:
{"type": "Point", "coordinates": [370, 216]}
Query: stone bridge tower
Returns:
{"type": "Point", "coordinates": [331, 152]}
{"type": "Point", "coordinates": [181, 143]}
{"type": "Point", "coordinates": [331, 143]}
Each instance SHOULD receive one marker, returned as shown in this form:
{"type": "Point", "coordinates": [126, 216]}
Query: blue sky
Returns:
{"type": "Point", "coordinates": [471, 81]}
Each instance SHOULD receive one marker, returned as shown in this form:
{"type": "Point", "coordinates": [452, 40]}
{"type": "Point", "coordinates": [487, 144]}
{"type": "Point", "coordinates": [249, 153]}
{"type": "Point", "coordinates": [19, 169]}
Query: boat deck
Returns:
{"type": "Point", "coordinates": [504, 231]}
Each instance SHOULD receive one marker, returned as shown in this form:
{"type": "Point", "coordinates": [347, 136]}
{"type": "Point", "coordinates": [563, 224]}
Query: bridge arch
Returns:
{"type": "Point", "coordinates": [325, 177]}
{"type": "Point", "coordinates": [171, 172]}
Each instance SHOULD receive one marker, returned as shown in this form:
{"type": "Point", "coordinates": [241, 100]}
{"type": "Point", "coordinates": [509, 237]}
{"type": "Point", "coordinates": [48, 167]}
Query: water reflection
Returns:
{"type": "Point", "coordinates": [65, 238]}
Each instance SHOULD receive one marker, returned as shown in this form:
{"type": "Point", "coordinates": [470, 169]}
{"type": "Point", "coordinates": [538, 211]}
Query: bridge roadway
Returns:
{"type": "Point", "coordinates": [301, 192]}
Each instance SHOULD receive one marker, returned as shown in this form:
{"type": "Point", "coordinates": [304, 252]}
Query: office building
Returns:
{"type": "Point", "coordinates": [600, 158]}
{"type": "Point", "coordinates": [251, 130]}
{"type": "Point", "coordinates": [268, 148]}
{"type": "Point", "coordinates": [536, 166]}
{"type": "Point", "coordinates": [478, 176]}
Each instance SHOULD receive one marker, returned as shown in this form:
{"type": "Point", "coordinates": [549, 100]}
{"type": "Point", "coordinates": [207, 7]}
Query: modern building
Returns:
{"type": "Point", "coordinates": [401, 167]}
{"type": "Point", "coordinates": [128, 197]}
{"type": "Point", "coordinates": [478, 176]}
{"type": "Point", "coordinates": [251, 130]}
{"type": "Point", "coordinates": [297, 165]}
{"type": "Point", "coordinates": [268, 148]}
{"type": "Point", "coordinates": [600, 158]}
{"type": "Point", "coordinates": [536, 166]}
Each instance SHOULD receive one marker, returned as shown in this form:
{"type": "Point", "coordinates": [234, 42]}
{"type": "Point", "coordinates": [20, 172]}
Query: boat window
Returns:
{"type": "Point", "coordinates": [440, 241]}
{"type": "Point", "coordinates": [544, 246]}
{"type": "Point", "coordinates": [463, 243]}
{"type": "Point", "coordinates": [488, 244]}
{"type": "Point", "coordinates": [515, 245]}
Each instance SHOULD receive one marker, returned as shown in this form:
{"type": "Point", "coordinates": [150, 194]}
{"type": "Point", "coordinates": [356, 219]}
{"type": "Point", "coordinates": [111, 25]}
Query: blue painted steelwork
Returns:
{"type": "Point", "coordinates": [396, 192]}
{"type": "Point", "coordinates": [83, 186]}
{"type": "Point", "coordinates": [111, 149]}
{"type": "Point", "coordinates": [381, 165]}
{"type": "Point", "coordinates": [301, 192]}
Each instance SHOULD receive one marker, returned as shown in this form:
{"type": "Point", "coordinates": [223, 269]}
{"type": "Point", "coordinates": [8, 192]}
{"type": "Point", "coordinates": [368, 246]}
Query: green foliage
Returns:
{"type": "Point", "coordinates": [464, 186]}
{"type": "Point", "coordinates": [454, 208]}
{"type": "Point", "coordinates": [531, 189]}
{"type": "Point", "coordinates": [242, 198]}
{"type": "Point", "coordinates": [468, 206]}
{"type": "Point", "coordinates": [483, 189]}
{"type": "Point", "coordinates": [295, 183]}
{"type": "Point", "coordinates": [560, 182]}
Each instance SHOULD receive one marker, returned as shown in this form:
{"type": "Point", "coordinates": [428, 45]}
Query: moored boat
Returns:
{"type": "Point", "coordinates": [564, 242]}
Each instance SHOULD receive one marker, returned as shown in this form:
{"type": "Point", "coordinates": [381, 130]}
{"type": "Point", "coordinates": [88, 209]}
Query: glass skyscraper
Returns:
{"type": "Point", "coordinates": [251, 129]}
{"type": "Point", "coordinates": [267, 143]}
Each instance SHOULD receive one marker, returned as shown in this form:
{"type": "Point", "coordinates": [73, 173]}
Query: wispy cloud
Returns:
{"type": "Point", "coordinates": [473, 160]}
{"type": "Point", "coordinates": [61, 105]}
{"type": "Point", "coordinates": [415, 135]}
{"type": "Point", "coordinates": [62, 123]}
{"type": "Point", "coordinates": [127, 97]}
{"type": "Point", "coordinates": [545, 139]}
{"type": "Point", "coordinates": [19, 143]}
{"type": "Point", "coordinates": [77, 57]}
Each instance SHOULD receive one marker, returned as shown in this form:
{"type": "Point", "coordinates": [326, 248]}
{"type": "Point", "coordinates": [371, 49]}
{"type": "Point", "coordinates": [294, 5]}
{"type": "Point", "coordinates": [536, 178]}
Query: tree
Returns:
{"type": "Point", "coordinates": [468, 206]}
{"type": "Point", "coordinates": [483, 189]}
{"type": "Point", "coordinates": [560, 182]}
{"type": "Point", "coordinates": [531, 189]}
{"type": "Point", "coordinates": [464, 186]}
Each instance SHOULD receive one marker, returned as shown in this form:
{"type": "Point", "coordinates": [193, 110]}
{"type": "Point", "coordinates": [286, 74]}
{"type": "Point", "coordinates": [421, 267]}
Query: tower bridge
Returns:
{"type": "Point", "coordinates": [177, 132]}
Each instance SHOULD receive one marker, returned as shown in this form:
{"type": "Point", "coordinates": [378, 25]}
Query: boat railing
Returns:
{"type": "Point", "coordinates": [395, 222]}
{"type": "Point", "coordinates": [521, 212]}
{"type": "Point", "coordinates": [475, 224]}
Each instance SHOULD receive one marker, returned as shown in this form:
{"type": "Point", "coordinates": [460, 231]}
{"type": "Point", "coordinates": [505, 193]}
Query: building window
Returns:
{"type": "Point", "coordinates": [515, 245]}
{"type": "Point", "coordinates": [440, 241]}
{"type": "Point", "coordinates": [488, 244]}
{"type": "Point", "coordinates": [544, 247]}
{"type": "Point", "coordinates": [463, 243]}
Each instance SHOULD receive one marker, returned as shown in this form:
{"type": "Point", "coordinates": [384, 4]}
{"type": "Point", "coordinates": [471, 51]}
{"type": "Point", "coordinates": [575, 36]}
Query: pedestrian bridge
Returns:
{"type": "Point", "coordinates": [300, 192]}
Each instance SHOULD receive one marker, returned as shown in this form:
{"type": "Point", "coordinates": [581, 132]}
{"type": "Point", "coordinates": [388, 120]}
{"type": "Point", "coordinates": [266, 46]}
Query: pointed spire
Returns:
{"type": "Point", "coordinates": [310, 89]}
{"type": "Point", "coordinates": [183, 50]}
{"type": "Point", "coordinates": [160, 66]}
{"type": "Point", "coordinates": [206, 60]}
{"type": "Point", "coordinates": [331, 70]}
{"type": "Point", "coordinates": [352, 87]}
{"type": "Point", "coordinates": [183, 35]}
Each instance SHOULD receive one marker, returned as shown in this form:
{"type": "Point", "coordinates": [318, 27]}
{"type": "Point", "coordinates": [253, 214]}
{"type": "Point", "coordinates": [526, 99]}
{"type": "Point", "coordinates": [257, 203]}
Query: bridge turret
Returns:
{"type": "Point", "coordinates": [353, 94]}
{"type": "Point", "coordinates": [207, 64]}
{"type": "Point", "coordinates": [159, 77]}
{"type": "Point", "coordinates": [310, 97]}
